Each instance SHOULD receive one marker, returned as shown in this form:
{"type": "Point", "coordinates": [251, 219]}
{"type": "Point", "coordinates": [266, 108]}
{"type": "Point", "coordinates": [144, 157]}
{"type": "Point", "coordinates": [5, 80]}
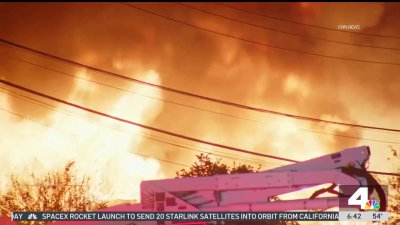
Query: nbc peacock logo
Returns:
{"type": "Point", "coordinates": [372, 204]}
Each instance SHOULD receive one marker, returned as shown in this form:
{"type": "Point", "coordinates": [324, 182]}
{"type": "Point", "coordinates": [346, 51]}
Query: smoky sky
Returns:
{"type": "Point", "coordinates": [124, 40]}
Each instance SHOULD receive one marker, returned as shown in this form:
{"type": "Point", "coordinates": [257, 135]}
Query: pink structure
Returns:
{"type": "Point", "coordinates": [252, 191]}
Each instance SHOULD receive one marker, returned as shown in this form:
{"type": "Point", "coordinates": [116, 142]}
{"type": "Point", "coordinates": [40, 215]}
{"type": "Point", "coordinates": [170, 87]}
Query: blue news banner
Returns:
{"type": "Point", "coordinates": [175, 216]}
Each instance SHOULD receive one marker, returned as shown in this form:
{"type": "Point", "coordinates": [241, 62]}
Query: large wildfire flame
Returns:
{"type": "Point", "coordinates": [103, 150]}
{"type": "Point", "coordinates": [117, 38]}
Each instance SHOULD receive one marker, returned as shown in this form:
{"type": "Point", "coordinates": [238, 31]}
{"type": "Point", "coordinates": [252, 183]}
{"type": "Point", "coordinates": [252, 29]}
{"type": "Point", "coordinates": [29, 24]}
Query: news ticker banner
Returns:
{"type": "Point", "coordinates": [355, 204]}
{"type": "Point", "coordinates": [200, 216]}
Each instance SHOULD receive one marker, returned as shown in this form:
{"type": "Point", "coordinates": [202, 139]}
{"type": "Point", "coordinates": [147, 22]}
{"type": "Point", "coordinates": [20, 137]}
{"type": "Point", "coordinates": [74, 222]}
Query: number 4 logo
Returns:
{"type": "Point", "coordinates": [360, 197]}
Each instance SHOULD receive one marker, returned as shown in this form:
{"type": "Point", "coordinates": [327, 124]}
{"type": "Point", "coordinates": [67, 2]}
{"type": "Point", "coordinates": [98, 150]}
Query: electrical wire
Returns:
{"type": "Point", "coordinates": [93, 111]}
{"type": "Point", "coordinates": [64, 131]}
{"type": "Point", "coordinates": [258, 42]}
{"type": "Point", "coordinates": [147, 136]}
{"type": "Point", "coordinates": [305, 24]}
{"type": "Point", "coordinates": [158, 129]}
{"type": "Point", "coordinates": [281, 31]}
{"type": "Point", "coordinates": [252, 108]}
{"type": "Point", "coordinates": [192, 107]}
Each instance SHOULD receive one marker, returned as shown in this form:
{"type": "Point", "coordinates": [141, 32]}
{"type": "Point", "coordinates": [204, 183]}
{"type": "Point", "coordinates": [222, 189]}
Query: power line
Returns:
{"type": "Point", "coordinates": [252, 108]}
{"type": "Point", "coordinates": [42, 104]}
{"type": "Point", "coordinates": [51, 107]}
{"type": "Point", "coordinates": [139, 124]}
{"type": "Point", "coordinates": [193, 107]}
{"type": "Point", "coordinates": [157, 129]}
{"type": "Point", "coordinates": [147, 136]}
{"type": "Point", "coordinates": [32, 120]}
{"type": "Point", "coordinates": [155, 138]}
{"type": "Point", "coordinates": [350, 137]}
{"type": "Point", "coordinates": [34, 101]}
{"type": "Point", "coordinates": [305, 24]}
{"type": "Point", "coordinates": [385, 173]}
{"type": "Point", "coordinates": [162, 160]}
{"type": "Point", "coordinates": [257, 42]}
{"type": "Point", "coordinates": [177, 145]}
{"type": "Point", "coordinates": [46, 125]}
{"type": "Point", "coordinates": [235, 157]}
{"type": "Point", "coordinates": [283, 32]}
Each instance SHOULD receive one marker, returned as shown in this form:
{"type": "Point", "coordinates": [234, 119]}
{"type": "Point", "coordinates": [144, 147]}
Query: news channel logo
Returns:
{"type": "Point", "coordinates": [361, 198]}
